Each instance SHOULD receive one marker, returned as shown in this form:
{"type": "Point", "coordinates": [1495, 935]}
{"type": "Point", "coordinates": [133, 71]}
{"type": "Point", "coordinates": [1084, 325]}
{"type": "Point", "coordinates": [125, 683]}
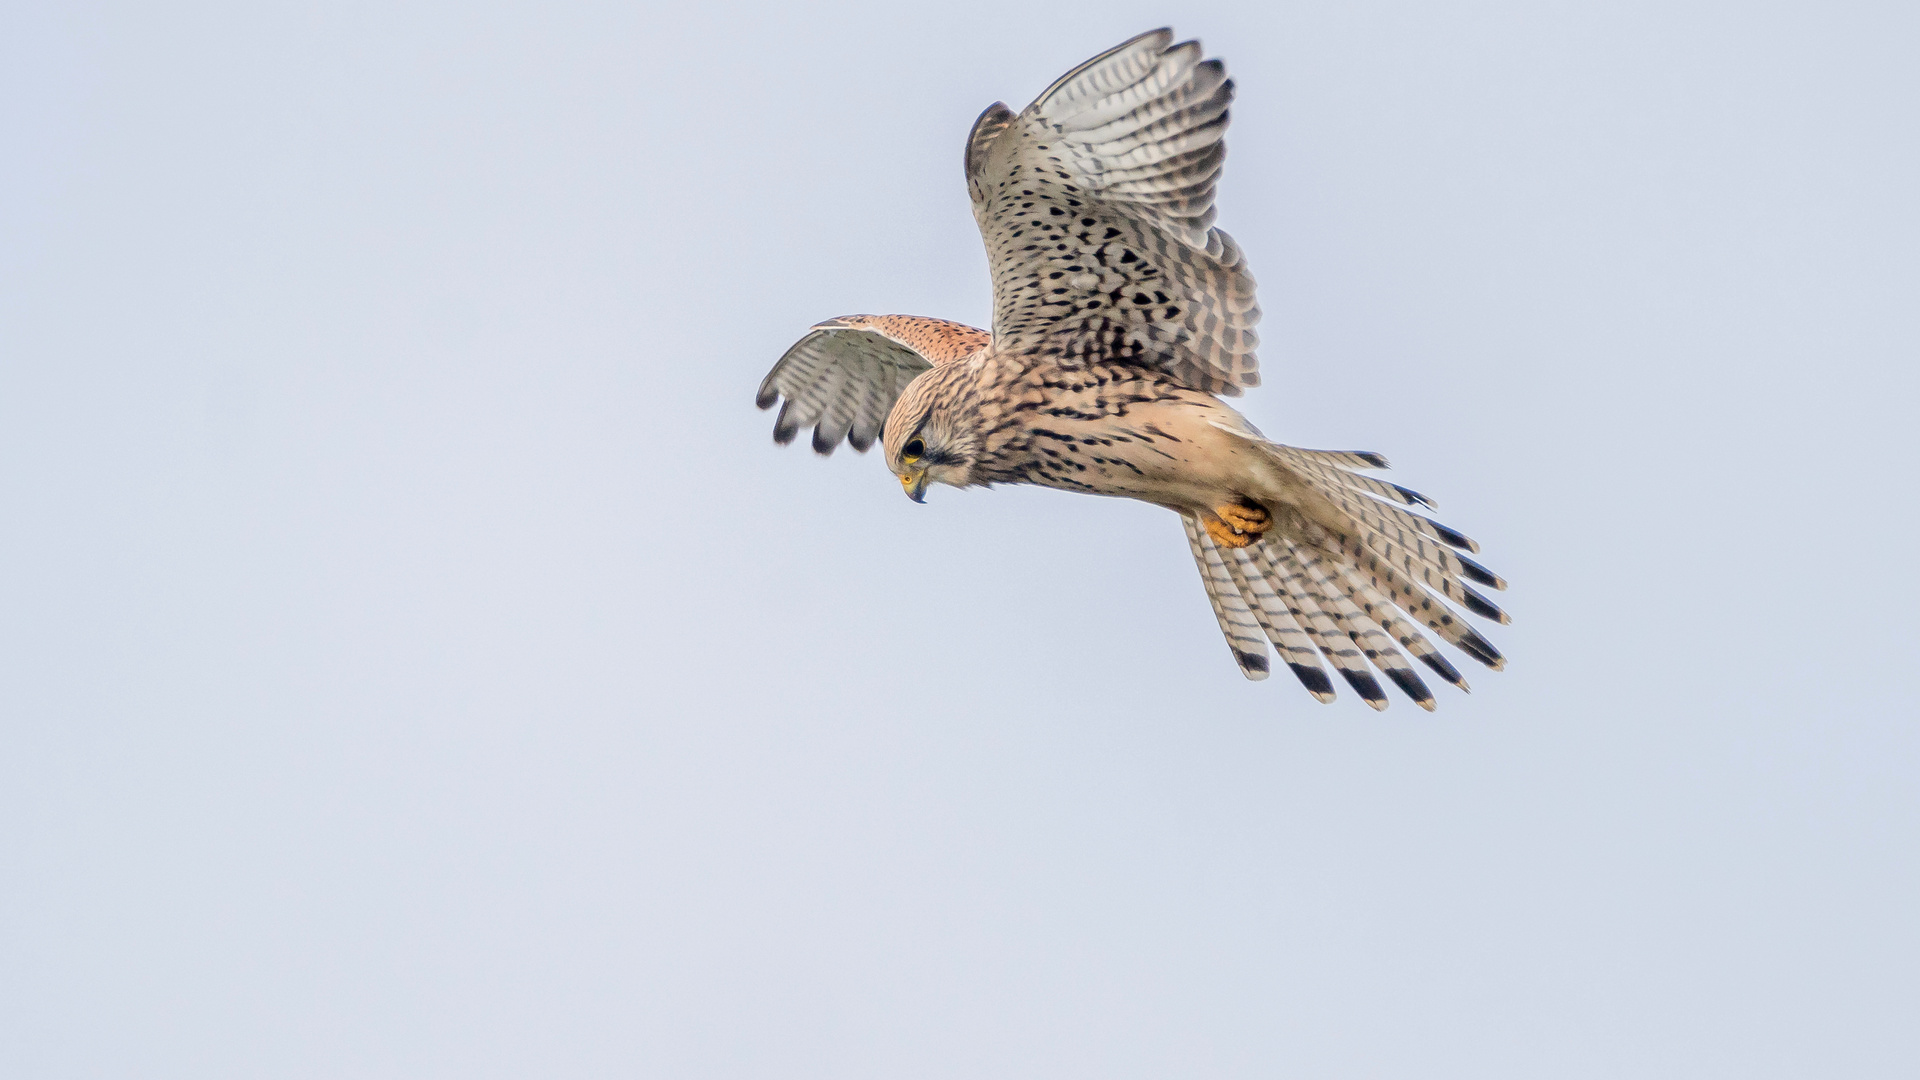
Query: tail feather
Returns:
{"type": "Point", "coordinates": [1304, 603]}
{"type": "Point", "coordinates": [1295, 647]}
{"type": "Point", "coordinates": [1413, 542]}
{"type": "Point", "coordinates": [1417, 560]}
{"type": "Point", "coordinates": [1313, 461]}
{"type": "Point", "coordinates": [1361, 627]}
{"type": "Point", "coordinates": [1344, 459]}
{"type": "Point", "coordinates": [1407, 540]}
{"type": "Point", "coordinates": [1389, 516]}
{"type": "Point", "coordinates": [1419, 603]}
{"type": "Point", "coordinates": [1322, 470]}
{"type": "Point", "coordinates": [1243, 632]}
{"type": "Point", "coordinates": [1347, 573]}
{"type": "Point", "coordinates": [1382, 611]}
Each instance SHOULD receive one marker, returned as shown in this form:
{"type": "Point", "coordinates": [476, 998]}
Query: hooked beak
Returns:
{"type": "Point", "coordinates": [915, 485]}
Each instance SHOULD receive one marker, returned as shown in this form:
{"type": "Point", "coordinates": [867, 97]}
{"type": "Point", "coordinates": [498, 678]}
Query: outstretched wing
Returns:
{"type": "Point", "coordinates": [845, 375]}
{"type": "Point", "coordinates": [1096, 204]}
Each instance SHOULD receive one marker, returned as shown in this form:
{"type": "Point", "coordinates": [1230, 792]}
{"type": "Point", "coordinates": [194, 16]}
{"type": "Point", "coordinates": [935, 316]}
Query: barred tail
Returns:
{"type": "Point", "coordinates": [1236, 621]}
{"type": "Point", "coordinates": [1351, 578]}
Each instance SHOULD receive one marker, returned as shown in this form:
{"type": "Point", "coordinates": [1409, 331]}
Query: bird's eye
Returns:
{"type": "Point", "coordinates": [913, 450]}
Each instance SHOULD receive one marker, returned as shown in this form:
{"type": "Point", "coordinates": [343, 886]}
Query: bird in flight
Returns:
{"type": "Point", "coordinates": [1121, 316]}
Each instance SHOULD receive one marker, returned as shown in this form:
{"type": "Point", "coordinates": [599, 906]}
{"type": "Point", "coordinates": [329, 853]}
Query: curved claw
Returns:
{"type": "Point", "coordinates": [1237, 524]}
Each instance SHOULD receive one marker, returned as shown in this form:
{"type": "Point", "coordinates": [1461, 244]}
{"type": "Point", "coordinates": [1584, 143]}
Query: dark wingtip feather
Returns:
{"type": "Point", "coordinates": [1366, 686]}
{"type": "Point", "coordinates": [1251, 662]}
{"type": "Point", "coordinates": [1454, 538]}
{"type": "Point", "coordinates": [1410, 684]}
{"type": "Point", "coordinates": [1480, 606]}
{"type": "Point", "coordinates": [1315, 680]}
{"type": "Point", "coordinates": [1444, 668]}
{"type": "Point", "coordinates": [766, 395]}
{"type": "Point", "coordinates": [1473, 571]}
{"type": "Point", "coordinates": [1481, 649]}
{"type": "Point", "coordinates": [1373, 460]}
{"type": "Point", "coordinates": [784, 427]}
{"type": "Point", "coordinates": [860, 441]}
{"type": "Point", "coordinates": [822, 445]}
{"type": "Point", "coordinates": [1413, 497]}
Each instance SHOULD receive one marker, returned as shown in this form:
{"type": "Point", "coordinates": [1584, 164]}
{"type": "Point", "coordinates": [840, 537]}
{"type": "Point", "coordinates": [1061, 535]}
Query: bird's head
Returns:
{"type": "Point", "coordinates": [927, 440]}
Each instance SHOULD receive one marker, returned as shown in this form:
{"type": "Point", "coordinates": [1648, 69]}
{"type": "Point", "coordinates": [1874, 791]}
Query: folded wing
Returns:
{"type": "Point", "coordinates": [844, 376]}
{"type": "Point", "coordinates": [1097, 204]}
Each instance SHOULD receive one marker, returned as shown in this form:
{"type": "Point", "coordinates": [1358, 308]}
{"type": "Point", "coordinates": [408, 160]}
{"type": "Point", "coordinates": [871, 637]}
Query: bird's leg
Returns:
{"type": "Point", "coordinates": [1239, 523]}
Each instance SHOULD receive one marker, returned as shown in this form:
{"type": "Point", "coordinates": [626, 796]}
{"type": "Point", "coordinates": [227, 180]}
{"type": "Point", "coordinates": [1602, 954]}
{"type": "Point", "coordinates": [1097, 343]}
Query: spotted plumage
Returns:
{"type": "Point", "coordinates": [1120, 318]}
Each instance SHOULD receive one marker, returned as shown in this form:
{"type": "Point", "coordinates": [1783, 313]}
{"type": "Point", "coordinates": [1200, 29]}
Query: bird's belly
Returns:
{"type": "Point", "coordinates": [1170, 455]}
{"type": "Point", "coordinates": [1101, 471]}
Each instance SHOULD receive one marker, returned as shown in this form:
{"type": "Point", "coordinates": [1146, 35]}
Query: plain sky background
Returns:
{"type": "Point", "coordinates": [416, 660]}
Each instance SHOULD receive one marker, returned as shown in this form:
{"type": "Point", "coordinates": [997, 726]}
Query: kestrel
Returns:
{"type": "Point", "coordinates": [1120, 316]}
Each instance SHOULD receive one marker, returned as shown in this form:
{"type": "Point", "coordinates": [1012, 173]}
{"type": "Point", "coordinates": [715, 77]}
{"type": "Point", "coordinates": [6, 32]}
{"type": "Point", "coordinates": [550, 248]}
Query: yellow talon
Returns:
{"type": "Point", "coordinates": [1237, 524]}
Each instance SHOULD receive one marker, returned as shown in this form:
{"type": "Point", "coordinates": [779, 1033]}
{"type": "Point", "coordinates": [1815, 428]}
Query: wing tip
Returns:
{"type": "Point", "coordinates": [1481, 649]}
{"type": "Point", "coordinates": [1410, 684]}
{"type": "Point", "coordinates": [1315, 680]}
{"type": "Point", "coordinates": [785, 426]}
{"type": "Point", "coordinates": [1253, 665]}
{"type": "Point", "coordinates": [1444, 668]}
{"type": "Point", "coordinates": [1367, 687]}
{"type": "Point", "coordinates": [1478, 574]}
{"type": "Point", "coordinates": [1482, 607]}
{"type": "Point", "coordinates": [1455, 538]}
{"type": "Point", "coordinates": [1412, 497]}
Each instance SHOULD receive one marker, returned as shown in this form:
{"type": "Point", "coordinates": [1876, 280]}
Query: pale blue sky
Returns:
{"type": "Point", "coordinates": [416, 660]}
